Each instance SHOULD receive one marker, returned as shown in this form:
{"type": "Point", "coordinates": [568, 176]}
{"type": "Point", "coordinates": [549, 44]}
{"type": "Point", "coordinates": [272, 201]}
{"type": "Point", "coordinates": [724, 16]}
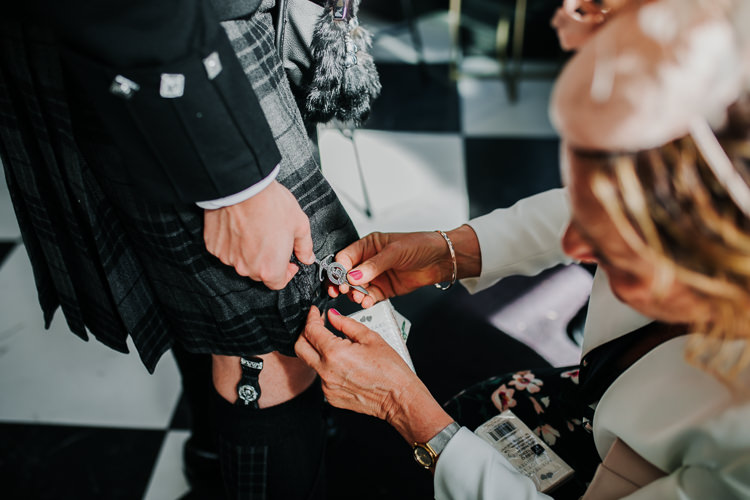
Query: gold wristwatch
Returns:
{"type": "Point", "coordinates": [426, 454]}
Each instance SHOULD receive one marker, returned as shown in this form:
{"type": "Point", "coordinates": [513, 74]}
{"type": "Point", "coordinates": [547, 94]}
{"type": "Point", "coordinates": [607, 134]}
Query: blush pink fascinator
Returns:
{"type": "Point", "coordinates": [657, 71]}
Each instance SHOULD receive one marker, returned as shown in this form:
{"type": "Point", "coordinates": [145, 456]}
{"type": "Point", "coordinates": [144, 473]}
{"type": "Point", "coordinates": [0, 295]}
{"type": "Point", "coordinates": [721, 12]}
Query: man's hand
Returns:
{"type": "Point", "coordinates": [258, 236]}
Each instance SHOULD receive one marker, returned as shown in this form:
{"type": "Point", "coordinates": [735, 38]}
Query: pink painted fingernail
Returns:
{"type": "Point", "coordinates": [356, 274]}
{"type": "Point", "coordinates": [335, 312]}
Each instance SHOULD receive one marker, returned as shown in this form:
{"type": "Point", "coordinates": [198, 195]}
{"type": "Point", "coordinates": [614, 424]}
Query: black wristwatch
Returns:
{"type": "Point", "coordinates": [426, 454]}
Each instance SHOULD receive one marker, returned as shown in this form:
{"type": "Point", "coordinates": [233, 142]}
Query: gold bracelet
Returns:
{"type": "Point", "coordinates": [453, 260]}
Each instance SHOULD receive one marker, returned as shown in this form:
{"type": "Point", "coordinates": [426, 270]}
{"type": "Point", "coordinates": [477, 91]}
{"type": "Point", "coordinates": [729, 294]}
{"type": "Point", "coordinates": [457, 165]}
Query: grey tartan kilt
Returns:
{"type": "Point", "coordinates": [120, 265]}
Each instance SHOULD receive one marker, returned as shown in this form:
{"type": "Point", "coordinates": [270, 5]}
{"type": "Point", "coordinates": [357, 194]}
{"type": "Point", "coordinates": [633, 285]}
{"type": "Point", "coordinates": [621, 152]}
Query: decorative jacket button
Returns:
{"type": "Point", "coordinates": [172, 85]}
{"type": "Point", "coordinates": [123, 87]}
{"type": "Point", "coordinates": [212, 63]}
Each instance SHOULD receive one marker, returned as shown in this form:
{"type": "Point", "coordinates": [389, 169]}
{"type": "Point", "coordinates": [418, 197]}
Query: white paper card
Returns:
{"type": "Point", "coordinates": [390, 324]}
{"type": "Point", "coordinates": [525, 451]}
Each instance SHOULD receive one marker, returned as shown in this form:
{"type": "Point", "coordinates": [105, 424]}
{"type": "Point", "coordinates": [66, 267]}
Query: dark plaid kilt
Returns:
{"type": "Point", "coordinates": [120, 265]}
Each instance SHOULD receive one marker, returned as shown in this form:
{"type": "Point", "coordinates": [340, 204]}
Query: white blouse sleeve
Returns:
{"type": "Point", "coordinates": [523, 239]}
{"type": "Point", "coordinates": [470, 469]}
{"type": "Point", "coordinates": [730, 481]}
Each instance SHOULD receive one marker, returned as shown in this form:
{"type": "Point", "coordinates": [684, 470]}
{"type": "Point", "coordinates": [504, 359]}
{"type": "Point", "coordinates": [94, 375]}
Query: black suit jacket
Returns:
{"type": "Point", "coordinates": [209, 142]}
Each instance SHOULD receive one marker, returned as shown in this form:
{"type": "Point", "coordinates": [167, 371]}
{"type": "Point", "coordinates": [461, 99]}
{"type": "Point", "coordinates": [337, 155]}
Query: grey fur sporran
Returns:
{"type": "Point", "coordinates": [326, 55]}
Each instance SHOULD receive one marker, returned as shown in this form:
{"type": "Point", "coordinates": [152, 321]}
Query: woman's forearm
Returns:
{"type": "Point", "coordinates": [415, 414]}
{"type": "Point", "coordinates": [468, 253]}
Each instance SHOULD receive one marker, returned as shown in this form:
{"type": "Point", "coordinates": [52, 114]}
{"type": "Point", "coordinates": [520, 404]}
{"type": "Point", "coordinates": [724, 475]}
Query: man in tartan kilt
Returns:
{"type": "Point", "coordinates": [166, 190]}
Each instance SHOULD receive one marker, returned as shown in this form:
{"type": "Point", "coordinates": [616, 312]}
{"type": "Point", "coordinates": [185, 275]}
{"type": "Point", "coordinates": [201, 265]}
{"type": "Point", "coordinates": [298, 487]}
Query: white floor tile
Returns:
{"type": "Point", "coordinates": [167, 479]}
{"type": "Point", "coordinates": [414, 181]}
{"type": "Point", "coordinates": [538, 318]}
{"type": "Point", "coordinates": [8, 225]}
{"type": "Point", "coordinates": [486, 110]}
{"type": "Point", "coordinates": [54, 377]}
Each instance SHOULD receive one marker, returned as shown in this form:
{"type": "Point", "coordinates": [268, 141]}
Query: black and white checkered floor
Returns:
{"type": "Point", "coordinates": [80, 421]}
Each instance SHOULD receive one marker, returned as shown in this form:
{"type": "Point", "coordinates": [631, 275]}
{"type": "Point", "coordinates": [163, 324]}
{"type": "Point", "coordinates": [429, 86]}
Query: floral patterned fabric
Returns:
{"type": "Point", "coordinates": [547, 400]}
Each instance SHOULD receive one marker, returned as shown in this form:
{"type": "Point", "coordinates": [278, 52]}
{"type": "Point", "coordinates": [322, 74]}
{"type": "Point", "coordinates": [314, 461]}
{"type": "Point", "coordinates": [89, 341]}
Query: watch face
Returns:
{"type": "Point", "coordinates": [423, 456]}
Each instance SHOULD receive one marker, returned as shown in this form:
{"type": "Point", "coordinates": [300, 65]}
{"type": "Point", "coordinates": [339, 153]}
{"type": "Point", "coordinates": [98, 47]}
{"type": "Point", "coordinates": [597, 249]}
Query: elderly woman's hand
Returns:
{"type": "Point", "coordinates": [363, 373]}
{"type": "Point", "coordinates": [391, 264]}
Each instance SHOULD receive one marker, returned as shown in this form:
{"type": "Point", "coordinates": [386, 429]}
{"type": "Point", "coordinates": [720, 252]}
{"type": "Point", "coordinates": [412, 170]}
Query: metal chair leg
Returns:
{"type": "Point", "coordinates": [510, 64]}
{"type": "Point", "coordinates": [454, 22]}
{"type": "Point", "coordinates": [416, 37]}
{"type": "Point", "coordinates": [349, 134]}
{"type": "Point", "coordinates": [518, 32]}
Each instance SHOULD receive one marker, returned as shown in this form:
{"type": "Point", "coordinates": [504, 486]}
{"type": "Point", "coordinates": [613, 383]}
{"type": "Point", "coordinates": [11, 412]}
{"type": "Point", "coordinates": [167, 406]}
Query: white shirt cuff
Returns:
{"type": "Point", "coordinates": [243, 195]}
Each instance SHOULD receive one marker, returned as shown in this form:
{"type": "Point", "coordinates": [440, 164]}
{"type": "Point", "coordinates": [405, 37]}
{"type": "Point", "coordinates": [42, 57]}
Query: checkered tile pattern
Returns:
{"type": "Point", "coordinates": [78, 420]}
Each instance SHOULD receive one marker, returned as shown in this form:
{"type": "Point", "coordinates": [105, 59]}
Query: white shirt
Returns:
{"type": "Point", "coordinates": [241, 196]}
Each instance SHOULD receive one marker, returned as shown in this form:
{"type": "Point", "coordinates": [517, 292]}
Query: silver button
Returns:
{"type": "Point", "coordinates": [212, 63]}
{"type": "Point", "coordinates": [123, 87]}
{"type": "Point", "coordinates": [247, 393]}
{"type": "Point", "coordinates": [172, 85]}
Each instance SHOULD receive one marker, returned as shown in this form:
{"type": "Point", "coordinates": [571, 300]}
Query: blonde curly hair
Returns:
{"type": "Point", "coordinates": [670, 200]}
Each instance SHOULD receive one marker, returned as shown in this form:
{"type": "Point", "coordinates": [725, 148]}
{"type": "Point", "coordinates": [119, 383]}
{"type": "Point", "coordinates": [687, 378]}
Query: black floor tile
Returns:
{"type": "Point", "coordinates": [5, 248]}
{"type": "Point", "coordinates": [61, 462]}
{"type": "Point", "coordinates": [455, 346]}
{"type": "Point", "coordinates": [501, 171]}
{"type": "Point", "coordinates": [415, 99]}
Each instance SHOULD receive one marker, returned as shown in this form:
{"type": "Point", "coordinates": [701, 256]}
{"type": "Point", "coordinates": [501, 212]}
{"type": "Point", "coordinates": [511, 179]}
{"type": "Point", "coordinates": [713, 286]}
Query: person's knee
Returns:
{"type": "Point", "coordinates": [281, 378]}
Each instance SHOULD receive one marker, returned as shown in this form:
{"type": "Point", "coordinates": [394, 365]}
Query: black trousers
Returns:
{"type": "Point", "coordinates": [275, 453]}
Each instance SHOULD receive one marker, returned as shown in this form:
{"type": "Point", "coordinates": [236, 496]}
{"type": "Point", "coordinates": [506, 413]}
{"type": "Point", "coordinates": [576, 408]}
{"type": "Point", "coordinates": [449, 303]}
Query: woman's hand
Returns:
{"type": "Point", "coordinates": [576, 21]}
{"type": "Point", "coordinates": [391, 264]}
{"type": "Point", "coordinates": [363, 373]}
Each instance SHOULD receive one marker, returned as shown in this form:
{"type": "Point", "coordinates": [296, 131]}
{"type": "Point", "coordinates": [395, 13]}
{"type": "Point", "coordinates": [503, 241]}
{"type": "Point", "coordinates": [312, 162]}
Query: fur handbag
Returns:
{"type": "Point", "coordinates": [326, 56]}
